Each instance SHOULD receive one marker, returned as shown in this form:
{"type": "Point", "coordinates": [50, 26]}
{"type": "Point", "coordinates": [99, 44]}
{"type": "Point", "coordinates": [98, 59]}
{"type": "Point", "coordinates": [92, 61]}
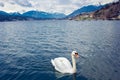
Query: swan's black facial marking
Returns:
{"type": "Point", "coordinates": [76, 53]}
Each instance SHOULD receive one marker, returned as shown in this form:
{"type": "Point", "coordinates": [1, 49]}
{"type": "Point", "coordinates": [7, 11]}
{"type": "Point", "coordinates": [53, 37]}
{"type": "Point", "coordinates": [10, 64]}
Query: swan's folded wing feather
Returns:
{"type": "Point", "coordinates": [52, 61]}
{"type": "Point", "coordinates": [62, 65]}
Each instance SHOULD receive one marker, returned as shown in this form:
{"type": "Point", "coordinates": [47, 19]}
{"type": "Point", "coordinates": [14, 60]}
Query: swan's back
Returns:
{"type": "Point", "coordinates": [62, 65]}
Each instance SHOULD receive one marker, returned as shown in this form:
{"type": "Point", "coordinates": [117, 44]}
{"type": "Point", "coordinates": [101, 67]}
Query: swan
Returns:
{"type": "Point", "coordinates": [63, 65]}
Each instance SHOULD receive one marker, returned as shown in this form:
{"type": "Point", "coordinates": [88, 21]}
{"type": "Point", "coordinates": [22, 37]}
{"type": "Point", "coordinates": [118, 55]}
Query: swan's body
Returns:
{"type": "Point", "coordinates": [63, 65]}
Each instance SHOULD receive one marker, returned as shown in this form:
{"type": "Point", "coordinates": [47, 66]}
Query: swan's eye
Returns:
{"type": "Point", "coordinates": [76, 53]}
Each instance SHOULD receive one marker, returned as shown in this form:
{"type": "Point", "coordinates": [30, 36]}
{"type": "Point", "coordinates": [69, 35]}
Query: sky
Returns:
{"type": "Point", "coordinates": [52, 6]}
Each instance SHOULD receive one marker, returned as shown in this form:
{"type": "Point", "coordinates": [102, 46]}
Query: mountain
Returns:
{"type": "Point", "coordinates": [30, 15]}
{"type": "Point", "coordinates": [36, 14]}
{"type": "Point", "coordinates": [11, 16]}
{"type": "Point", "coordinates": [110, 11]}
{"type": "Point", "coordinates": [4, 16]}
{"type": "Point", "coordinates": [43, 15]}
{"type": "Point", "coordinates": [85, 9]}
{"type": "Point", "coordinates": [17, 16]}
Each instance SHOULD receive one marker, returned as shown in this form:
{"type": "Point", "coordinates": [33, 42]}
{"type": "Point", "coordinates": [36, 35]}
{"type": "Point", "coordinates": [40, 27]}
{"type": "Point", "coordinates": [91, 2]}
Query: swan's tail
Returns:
{"type": "Point", "coordinates": [52, 61]}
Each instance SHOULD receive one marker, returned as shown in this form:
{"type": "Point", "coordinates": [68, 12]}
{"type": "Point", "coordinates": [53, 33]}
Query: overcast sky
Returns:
{"type": "Point", "coordinates": [62, 6]}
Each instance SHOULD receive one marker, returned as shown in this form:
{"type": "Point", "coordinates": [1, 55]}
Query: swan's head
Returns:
{"type": "Point", "coordinates": [75, 53]}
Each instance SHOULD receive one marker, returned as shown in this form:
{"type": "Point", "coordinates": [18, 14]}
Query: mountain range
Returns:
{"type": "Point", "coordinates": [30, 15]}
{"type": "Point", "coordinates": [110, 11]}
{"type": "Point", "coordinates": [43, 15]}
{"type": "Point", "coordinates": [85, 9]}
{"type": "Point", "coordinates": [40, 15]}
{"type": "Point", "coordinates": [90, 10]}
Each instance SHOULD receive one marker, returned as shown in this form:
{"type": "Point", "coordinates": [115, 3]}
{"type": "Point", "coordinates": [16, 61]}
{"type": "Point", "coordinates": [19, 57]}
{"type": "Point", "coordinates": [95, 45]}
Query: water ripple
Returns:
{"type": "Point", "coordinates": [27, 48]}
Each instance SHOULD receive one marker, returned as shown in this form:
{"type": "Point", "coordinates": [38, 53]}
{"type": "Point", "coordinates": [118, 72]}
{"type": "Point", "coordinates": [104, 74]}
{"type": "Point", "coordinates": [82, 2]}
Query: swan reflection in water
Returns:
{"type": "Point", "coordinates": [74, 76]}
{"type": "Point", "coordinates": [60, 75]}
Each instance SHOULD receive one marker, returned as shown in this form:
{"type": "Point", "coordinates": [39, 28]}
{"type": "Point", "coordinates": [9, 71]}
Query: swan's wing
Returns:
{"type": "Point", "coordinates": [62, 65]}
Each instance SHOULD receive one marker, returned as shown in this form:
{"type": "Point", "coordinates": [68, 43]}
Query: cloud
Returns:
{"type": "Point", "coordinates": [1, 4]}
{"type": "Point", "coordinates": [24, 3]}
{"type": "Point", "coordinates": [94, 2]}
{"type": "Point", "coordinates": [62, 6]}
{"type": "Point", "coordinates": [65, 2]}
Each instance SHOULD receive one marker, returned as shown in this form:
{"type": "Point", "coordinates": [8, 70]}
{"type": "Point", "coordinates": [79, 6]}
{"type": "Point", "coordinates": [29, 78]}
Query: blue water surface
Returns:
{"type": "Point", "coordinates": [26, 48]}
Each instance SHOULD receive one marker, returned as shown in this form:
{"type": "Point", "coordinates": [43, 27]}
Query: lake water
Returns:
{"type": "Point", "coordinates": [26, 48]}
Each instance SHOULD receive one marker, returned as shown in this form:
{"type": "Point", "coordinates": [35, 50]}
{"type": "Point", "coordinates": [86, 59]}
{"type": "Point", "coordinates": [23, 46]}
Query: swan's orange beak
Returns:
{"type": "Point", "coordinates": [76, 55]}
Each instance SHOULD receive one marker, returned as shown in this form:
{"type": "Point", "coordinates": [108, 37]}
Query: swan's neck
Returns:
{"type": "Point", "coordinates": [73, 63]}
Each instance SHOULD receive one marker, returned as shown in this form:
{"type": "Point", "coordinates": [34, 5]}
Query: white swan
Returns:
{"type": "Point", "coordinates": [63, 65]}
